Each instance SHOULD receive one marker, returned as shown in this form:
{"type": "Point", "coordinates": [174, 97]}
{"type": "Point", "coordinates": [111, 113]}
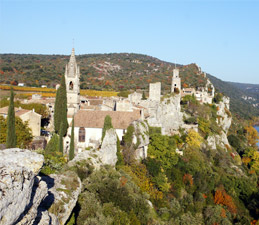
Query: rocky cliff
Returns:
{"type": "Point", "coordinates": [224, 121]}
{"type": "Point", "coordinates": [26, 198]}
{"type": "Point", "coordinates": [18, 169]}
{"type": "Point", "coordinates": [141, 139]}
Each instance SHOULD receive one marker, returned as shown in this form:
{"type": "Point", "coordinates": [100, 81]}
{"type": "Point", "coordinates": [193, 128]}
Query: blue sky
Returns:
{"type": "Point", "coordinates": [220, 36]}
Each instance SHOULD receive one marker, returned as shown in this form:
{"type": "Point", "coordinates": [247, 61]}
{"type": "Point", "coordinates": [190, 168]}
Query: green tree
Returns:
{"type": "Point", "coordinates": [120, 161]}
{"type": "Point", "coordinates": [22, 131]}
{"type": "Point", "coordinates": [57, 117]}
{"type": "Point", "coordinates": [53, 144]}
{"type": "Point", "coordinates": [11, 136]}
{"type": "Point", "coordinates": [143, 96]}
{"type": "Point", "coordinates": [162, 148]}
{"type": "Point", "coordinates": [62, 128]}
{"type": "Point", "coordinates": [107, 125]}
{"type": "Point", "coordinates": [72, 144]}
{"type": "Point", "coordinates": [60, 109]}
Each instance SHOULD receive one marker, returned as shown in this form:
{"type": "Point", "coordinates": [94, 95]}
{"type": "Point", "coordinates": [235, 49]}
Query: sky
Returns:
{"type": "Point", "coordinates": [221, 36]}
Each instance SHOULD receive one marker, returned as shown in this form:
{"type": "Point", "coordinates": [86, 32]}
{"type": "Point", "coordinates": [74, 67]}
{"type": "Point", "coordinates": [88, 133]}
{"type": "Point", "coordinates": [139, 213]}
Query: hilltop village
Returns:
{"type": "Point", "coordinates": [157, 111]}
{"type": "Point", "coordinates": [173, 158]}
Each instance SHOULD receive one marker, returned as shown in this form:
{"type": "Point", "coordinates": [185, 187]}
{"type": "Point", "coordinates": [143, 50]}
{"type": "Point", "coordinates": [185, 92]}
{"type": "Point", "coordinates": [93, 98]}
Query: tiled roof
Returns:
{"type": "Point", "coordinates": [18, 111]}
{"type": "Point", "coordinates": [95, 119]}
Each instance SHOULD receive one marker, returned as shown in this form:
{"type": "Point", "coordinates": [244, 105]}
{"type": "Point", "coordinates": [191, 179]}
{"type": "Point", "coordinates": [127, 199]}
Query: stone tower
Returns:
{"type": "Point", "coordinates": [176, 81]}
{"type": "Point", "coordinates": [72, 75]}
{"type": "Point", "coordinates": [155, 91]}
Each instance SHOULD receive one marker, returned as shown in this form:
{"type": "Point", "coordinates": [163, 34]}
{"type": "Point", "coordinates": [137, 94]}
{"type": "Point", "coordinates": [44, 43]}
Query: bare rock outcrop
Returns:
{"type": "Point", "coordinates": [141, 139]}
{"type": "Point", "coordinates": [106, 155]}
{"type": "Point", "coordinates": [63, 193]}
{"type": "Point", "coordinates": [108, 152]}
{"type": "Point", "coordinates": [165, 114]}
{"type": "Point", "coordinates": [18, 169]}
{"type": "Point", "coordinates": [224, 121]}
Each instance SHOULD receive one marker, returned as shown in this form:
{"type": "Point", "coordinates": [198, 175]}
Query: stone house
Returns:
{"type": "Point", "coordinates": [88, 125]}
{"type": "Point", "coordinates": [188, 91]}
{"type": "Point", "coordinates": [33, 118]}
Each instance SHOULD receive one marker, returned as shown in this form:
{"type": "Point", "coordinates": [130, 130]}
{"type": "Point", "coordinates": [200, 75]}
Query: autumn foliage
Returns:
{"type": "Point", "coordinates": [222, 198]}
{"type": "Point", "coordinates": [251, 135]}
{"type": "Point", "coordinates": [188, 179]}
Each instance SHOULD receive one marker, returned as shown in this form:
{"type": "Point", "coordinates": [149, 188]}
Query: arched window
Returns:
{"type": "Point", "coordinates": [81, 134]}
{"type": "Point", "coordinates": [71, 85]}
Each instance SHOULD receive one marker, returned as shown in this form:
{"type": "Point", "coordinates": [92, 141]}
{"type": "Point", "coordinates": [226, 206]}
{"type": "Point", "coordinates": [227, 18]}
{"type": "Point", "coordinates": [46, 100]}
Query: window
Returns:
{"type": "Point", "coordinates": [81, 134]}
{"type": "Point", "coordinates": [71, 85]}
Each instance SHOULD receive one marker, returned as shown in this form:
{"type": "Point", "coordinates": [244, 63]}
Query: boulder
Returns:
{"type": "Point", "coordinates": [18, 169]}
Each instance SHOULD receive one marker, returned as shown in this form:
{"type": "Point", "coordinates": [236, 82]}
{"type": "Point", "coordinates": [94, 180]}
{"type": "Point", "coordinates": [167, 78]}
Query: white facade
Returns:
{"type": "Point", "coordinates": [93, 137]}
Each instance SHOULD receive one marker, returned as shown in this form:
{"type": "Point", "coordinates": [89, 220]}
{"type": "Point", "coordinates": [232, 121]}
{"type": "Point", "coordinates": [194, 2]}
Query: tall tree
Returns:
{"type": "Point", "coordinates": [53, 144]}
{"type": "Point", "coordinates": [107, 125]}
{"type": "Point", "coordinates": [62, 128]}
{"type": "Point", "coordinates": [57, 110]}
{"type": "Point", "coordinates": [72, 143]}
{"type": "Point", "coordinates": [11, 136]}
{"type": "Point", "coordinates": [143, 96]}
{"type": "Point", "coordinates": [60, 110]}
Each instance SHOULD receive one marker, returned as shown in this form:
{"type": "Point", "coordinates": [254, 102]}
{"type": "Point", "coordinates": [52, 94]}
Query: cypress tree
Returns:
{"type": "Point", "coordinates": [57, 111]}
{"type": "Point", "coordinates": [107, 125]}
{"type": "Point", "coordinates": [60, 110]}
{"type": "Point", "coordinates": [11, 136]}
{"type": "Point", "coordinates": [72, 144]}
{"type": "Point", "coordinates": [143, 96]}
{"type": "Point", "coordinates": [53, 145]}
{"type": "Point", "coordinates": [62, 127]}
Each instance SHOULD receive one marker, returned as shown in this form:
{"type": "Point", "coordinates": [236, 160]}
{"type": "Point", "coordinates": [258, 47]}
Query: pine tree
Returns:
{"type": "Point", "coordinates": [60, 110]}
{"type": "Point", "coordinates": [107, 125]}
{"type": "Point", "coordinates": [72, 144]}
{"type": "Point", "coordinates": [11, 136]}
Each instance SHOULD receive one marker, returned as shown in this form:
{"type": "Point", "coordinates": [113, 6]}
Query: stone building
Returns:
{"type": "Point", "coordinates": [33, 118]}
{"type": "Point", "coordinates": [72, 75]}
{"type": "Point", "coordinates": [135, 97]}
{"type": "Point", "coordinates": [155, 91]}
{"type": "Point", "coordinates": [176, 81]}
{"type": "Point", "coordinates": [89, 125]}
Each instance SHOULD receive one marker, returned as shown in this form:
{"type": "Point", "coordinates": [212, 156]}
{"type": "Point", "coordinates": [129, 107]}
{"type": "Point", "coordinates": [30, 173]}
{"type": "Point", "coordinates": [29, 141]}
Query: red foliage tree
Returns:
{"type": "Point", "coordinates": [222, 198]}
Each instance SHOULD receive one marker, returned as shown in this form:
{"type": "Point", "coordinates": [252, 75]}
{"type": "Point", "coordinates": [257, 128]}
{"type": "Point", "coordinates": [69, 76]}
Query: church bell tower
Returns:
{"type": "Point", "coordinates": [176, 81]}
{"type": "Point", "coordinates": [72, 75]}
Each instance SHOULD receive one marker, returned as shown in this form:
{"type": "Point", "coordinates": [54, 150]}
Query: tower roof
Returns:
{"type": "Point", "coordinates": [72, 57]}
{"type": "Point", "coordinates": [72, 69]}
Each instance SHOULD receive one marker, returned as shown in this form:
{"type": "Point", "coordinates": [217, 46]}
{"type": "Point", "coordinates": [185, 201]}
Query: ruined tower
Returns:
{"type": "Point", "coordinates": [176, 81]}
{"type": "Point", "coordinates": [72, 75]}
